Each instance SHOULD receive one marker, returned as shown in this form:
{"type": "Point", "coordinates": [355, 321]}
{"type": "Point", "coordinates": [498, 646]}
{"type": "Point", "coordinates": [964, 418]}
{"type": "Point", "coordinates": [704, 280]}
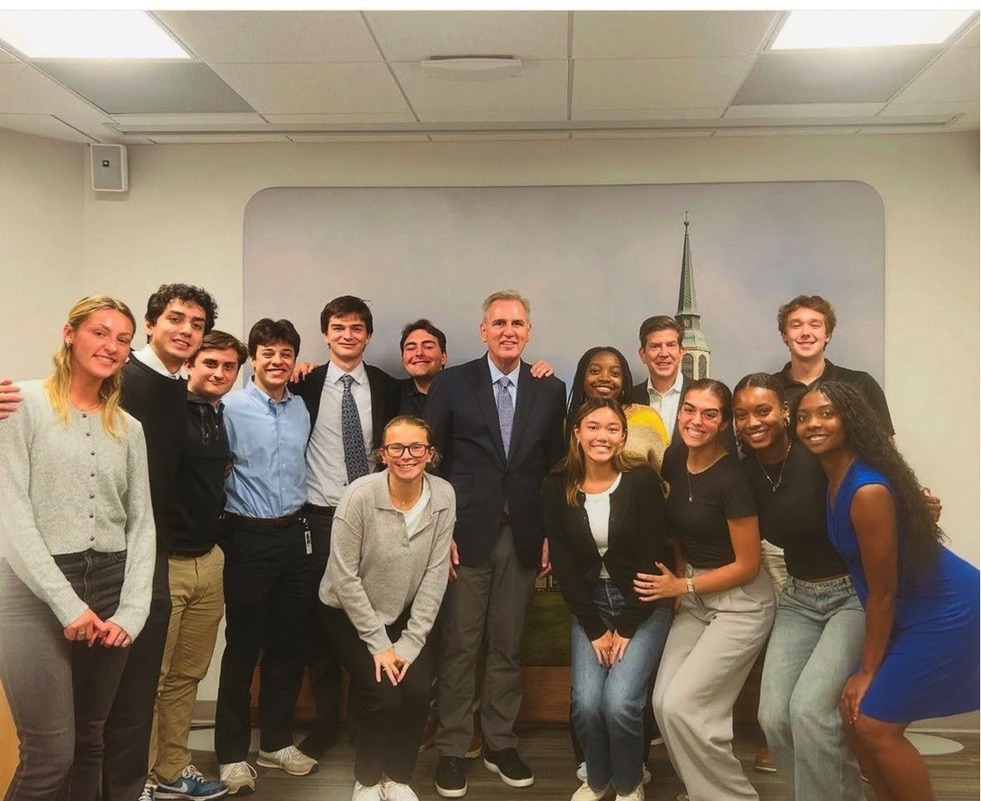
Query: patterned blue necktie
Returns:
{"type": "Point", "coordinates": [355, 458]}
{"type": "Point", "coordinates": [505, 411]}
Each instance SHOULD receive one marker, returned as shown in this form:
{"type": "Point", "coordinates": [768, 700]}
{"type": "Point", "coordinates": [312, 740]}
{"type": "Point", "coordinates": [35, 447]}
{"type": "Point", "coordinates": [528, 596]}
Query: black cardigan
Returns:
{"type": "Point", "coordinates": [638, 531]}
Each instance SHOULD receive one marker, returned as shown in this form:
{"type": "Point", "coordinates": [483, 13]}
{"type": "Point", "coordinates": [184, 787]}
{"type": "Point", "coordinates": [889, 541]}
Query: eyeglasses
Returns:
{"type": "Point", "coordinates": [416, 449]}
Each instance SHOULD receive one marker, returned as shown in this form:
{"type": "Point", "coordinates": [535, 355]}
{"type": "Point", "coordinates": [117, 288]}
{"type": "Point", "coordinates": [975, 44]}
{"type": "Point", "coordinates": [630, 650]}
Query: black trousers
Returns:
{"type": "Point", "coordinates": [267, 608]}
{"type": "Point", "coordinates": [128, 729]}
{"type": "Point", "coordinates": [322, 663]}
{"type": "Point", "coordinates": [390, 717]}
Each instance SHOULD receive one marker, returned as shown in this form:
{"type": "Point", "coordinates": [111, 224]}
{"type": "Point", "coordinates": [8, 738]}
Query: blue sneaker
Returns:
{"type": "Point", "coordinates": [190, 786]}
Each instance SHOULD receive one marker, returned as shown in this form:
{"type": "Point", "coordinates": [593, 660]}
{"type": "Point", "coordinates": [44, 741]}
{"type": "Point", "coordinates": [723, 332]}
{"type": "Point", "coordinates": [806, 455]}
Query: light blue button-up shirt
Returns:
{"type": "Point", "coordinates": [497, 375]}
{"type": "Point", "coordinates": [268, 439]}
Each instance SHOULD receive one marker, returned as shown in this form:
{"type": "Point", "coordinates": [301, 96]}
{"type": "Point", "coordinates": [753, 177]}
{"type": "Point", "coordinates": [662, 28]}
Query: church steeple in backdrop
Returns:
{"type": "Point", "coordinates": [698, 355]}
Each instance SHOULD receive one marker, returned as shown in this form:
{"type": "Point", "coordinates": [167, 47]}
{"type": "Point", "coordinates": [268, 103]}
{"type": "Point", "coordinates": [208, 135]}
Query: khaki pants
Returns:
{"type": "Point", "coordinates": [198, 604]}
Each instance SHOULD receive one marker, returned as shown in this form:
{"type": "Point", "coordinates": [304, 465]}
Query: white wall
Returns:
{"type": "Point", "coordinates": [182, 221]}
{"type": "Point", "coordinates": [41, 202]}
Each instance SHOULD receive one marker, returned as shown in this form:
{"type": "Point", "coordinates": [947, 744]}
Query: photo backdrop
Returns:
{"type": "Point", "coordinates": [593, 260]}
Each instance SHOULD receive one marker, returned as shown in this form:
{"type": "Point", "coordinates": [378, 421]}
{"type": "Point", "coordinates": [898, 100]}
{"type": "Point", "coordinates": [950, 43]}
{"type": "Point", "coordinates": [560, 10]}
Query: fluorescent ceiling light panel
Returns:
{"type": "Point", "coordinates": [811, 30]}
{"type": "Point", "coordinates": [88, 34]}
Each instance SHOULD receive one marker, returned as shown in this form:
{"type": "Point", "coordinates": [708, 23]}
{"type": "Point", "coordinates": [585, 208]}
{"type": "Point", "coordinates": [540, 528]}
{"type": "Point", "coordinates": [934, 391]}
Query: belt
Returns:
{"type": "Point", "coordinates": [312, 508]}
{"type": "Point", "coordinates": [263, 523]}
{"type": "Point", "coordinates": [189, 554]}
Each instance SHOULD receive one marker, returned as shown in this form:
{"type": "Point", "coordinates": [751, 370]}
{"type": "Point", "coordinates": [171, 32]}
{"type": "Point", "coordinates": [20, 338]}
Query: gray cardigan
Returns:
{"type": "Point", "coordinates": [69, 489]}
{"type": "Point", "coordinates": [375, 571]}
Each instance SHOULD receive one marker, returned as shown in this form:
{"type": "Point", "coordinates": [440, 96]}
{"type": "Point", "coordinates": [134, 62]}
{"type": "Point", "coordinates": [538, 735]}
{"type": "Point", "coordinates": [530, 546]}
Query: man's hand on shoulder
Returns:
{"type": "Point", "coordinates": [301, 371]}
{"type": "Point", "coordinates": [10, 398]}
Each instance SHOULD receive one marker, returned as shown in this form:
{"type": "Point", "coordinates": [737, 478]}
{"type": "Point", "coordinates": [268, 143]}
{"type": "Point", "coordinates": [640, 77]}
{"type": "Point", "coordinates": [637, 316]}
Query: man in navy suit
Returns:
{"type": "Point", "coordinates": [499, 431]}
{"type": "Point", "coordinates": [347, 326]}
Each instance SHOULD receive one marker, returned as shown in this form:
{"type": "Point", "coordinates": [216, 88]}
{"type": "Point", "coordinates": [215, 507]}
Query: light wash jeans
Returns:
{"type": "Point", "coordinates": [608, 702]}
{"type": "Point", "coordinates": [814, 647]}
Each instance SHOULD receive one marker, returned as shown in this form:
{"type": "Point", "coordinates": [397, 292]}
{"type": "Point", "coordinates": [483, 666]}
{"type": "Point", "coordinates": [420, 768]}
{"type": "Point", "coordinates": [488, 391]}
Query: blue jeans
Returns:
{"type": "Point", "coordinates": [60, 692]}
{"type": "Point", "coordinates": [608, 702]}
{"type": "Point", "coordinates": [814, 647]}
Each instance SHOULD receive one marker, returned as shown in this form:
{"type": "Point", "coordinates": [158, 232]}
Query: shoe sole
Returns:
{"type": "Point", "coordinates": [507, 779]}
{"type": "Point", "coordinates": [451, 793]}
{"type": "Point", "coordinates": [269, 763]}
{"type": "Point", "coordinates": [764, 769]}
{"type": "Point", "coordinates": [178, 796]}
{"type": "Point", "coordinates": [245, 789]}
{"type": "Point", "coordinates": [473, 753]}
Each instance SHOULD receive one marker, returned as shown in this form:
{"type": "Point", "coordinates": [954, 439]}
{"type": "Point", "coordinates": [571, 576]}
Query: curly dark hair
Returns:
{"type": "Point", "coordinates": [185, 293]}
{"type": "Point", "coordinates": [577, 395]}
{"type": "Point", "coordinates": [866, 438]}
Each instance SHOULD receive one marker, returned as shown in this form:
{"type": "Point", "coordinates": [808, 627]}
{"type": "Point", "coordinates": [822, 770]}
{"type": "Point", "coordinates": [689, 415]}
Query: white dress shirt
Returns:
{"type": "Point", "coordinates": [668, 403]}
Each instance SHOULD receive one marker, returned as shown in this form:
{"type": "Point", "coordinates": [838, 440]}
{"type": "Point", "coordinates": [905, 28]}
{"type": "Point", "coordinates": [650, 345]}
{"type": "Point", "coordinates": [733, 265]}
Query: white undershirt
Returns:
{"type": "Point", "coordinates": [597, 505]}
{"type": "Point", "coordinates": [414, 522]}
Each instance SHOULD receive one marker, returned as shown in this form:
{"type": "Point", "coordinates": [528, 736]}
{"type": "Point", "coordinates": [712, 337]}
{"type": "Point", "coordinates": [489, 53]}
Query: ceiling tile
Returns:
{"type": "Point", "coordinates": [315, 88]}
{"type": "Point", "coordinates": [7, 58]}
{"type": "Point", "coordinates": [146, 87]}
{"type": "Point", "coordinates": [670, 34]}
{"type": "Point", "coordinates": [811, 110]}
{"type": "Point", "coordinates": [43, 125]}
{"type": "Point", "coordinates": [418, 35]}
{"type": "Point", "coordinates": [953, 76]}
{"type": "Point", "coordinates": [903, 129]}
{"type": "Point", "coordinates": [540, 92]}
{"type": "Point", "coordinates": [832, 76]}
{"type": "Point", "coordinates": [664, 83]}
{"type": "Point", "coordinates": [24, 90]}
{"type": "Point", "coordinates": [285, 37]}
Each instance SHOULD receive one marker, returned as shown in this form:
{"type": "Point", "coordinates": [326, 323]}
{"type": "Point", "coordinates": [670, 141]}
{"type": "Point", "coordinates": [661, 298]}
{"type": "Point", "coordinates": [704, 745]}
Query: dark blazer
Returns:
{"type": "Point", "coordinates": [462, 413]}
{"type": "Point", "coordinates": [639, 394]}
{"type": "Point", "coordinates": [384, 397]}
{"type": "Point", "coordinates": [637, 535]}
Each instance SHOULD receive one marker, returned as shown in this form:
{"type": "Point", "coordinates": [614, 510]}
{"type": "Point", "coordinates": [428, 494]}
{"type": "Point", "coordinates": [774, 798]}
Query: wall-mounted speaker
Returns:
{"type": "Point", "coordinates": [109, 170]}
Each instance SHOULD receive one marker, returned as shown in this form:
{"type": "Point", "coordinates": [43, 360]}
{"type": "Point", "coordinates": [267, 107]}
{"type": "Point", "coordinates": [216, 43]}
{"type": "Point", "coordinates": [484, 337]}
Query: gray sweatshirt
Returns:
{"type": "Point", "coordinates": [69, 489]}
{"type": "Point", "coordinates": [375, 570]}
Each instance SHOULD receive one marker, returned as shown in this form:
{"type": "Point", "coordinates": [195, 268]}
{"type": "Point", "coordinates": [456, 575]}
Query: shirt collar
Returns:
{"type": "Point", "coordinates": [497, 375]}
{"type": "Point", "coordinates": [675, 387]}
{"type": "Point", "coordinates": [826, 375]}
{"type": "Point", "coordinates": [335, 373]}
{"type": "Point", "coordinates": [254, 391]}
{"type": "Point", "coordinates": [149, 357]}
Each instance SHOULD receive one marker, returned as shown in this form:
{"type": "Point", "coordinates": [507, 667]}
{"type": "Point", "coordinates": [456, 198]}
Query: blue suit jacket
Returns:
{"type": "Point", "coordinates": [462, 413]}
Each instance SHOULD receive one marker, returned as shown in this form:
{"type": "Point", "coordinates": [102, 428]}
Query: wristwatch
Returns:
{"type": "Point", "coordinates": [690, 583]}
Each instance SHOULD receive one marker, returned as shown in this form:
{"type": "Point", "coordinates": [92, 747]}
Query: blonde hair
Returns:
{"type": "Point", "coordinates": [57, 385]}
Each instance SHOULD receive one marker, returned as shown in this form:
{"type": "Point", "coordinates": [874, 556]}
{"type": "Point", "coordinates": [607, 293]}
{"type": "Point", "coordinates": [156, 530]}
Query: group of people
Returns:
{"type": "Point", "coordinates": [338, 517]}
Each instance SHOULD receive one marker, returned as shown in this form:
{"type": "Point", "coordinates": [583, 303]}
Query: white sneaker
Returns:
{"type": "Point", "coordinates": [149, 793]}
{"type": "Point", "coordinates": [587, 793]}
{"type": "Point", "coordinates": [290, 759]}
{"type": "Point", "coordinates": [396, 791]}
{"type": "Point", "coordinates": [581, 772]}
{"type": "Point", "coordinates": [238, 777]}
{"type": "Point", "coordinates": [370, 793]}
{"type": "Point", "coordinates": [637, 794]}
{"type": "Point", "coordinates": [646, 775]}
{"type": "Point", "coordinates": [683, 797]}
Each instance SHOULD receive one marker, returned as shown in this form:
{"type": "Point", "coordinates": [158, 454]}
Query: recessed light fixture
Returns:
{"type": "Point", "coordinates": [88, 34]}
{"type": "Point", "coordinates": [472, 68]}
{"type": "Point", "coordinates": [810, 30]}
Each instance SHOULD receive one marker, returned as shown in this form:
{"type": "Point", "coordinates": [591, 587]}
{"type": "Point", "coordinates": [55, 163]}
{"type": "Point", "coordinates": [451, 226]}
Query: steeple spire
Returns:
{"type": "Point", "coordinates": [697, 359]}
{"type": "Point", "coordinates": [686, 291]}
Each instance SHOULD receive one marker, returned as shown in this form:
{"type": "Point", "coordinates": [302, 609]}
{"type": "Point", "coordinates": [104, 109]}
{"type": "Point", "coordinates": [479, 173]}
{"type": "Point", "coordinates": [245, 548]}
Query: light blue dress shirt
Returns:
{"type": "Point", "coordinates": [497, 375]}
{"type": "Point", "coordinates": [268, 439]}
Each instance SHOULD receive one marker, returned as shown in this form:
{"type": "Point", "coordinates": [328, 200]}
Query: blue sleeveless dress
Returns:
{"type": "Point", "coordinates": [931, 668]}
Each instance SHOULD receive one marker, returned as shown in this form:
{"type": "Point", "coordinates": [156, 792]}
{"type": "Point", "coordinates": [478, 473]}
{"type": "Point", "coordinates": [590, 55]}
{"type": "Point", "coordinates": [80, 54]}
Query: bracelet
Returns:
{"type": "Point", "coordinates": [690, 583]}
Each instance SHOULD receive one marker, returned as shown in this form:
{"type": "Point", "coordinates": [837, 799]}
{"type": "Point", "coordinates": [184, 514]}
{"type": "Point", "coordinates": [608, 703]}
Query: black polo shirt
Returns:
{"type": "Point", "coordinates": [411, 400]}
{"type": "Point", "coordinates": [862, 381]}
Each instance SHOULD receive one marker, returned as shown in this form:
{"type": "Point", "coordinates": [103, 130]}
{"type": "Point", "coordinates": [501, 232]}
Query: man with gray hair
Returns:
{"type": "Point", "coordinates": [499, 430]}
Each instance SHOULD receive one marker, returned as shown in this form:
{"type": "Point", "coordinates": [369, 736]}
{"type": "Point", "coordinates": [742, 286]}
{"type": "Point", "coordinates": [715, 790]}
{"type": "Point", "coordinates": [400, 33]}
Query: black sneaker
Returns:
{"type": "Point", "coordinates": [508, 765]}
{"type": "Point", "coordinates": [451, 777]}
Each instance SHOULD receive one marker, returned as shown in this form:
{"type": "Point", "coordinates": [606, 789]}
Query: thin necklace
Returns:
{"type": "Point", "coordinates": [691, 487]}
{"type": "Point", "coordinates": [779, 481]}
